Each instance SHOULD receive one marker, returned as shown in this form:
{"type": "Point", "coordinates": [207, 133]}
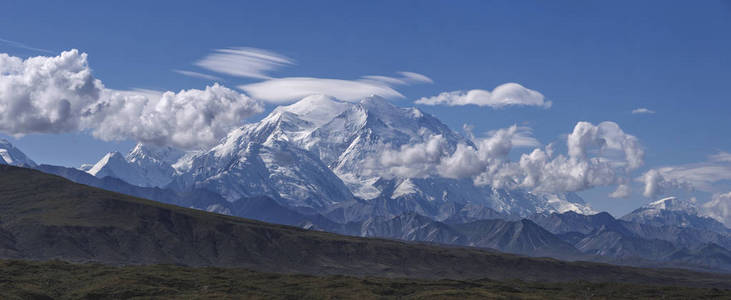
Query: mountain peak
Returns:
{"type": "Point", "coordinates": [166, 154]}
{"type": "Point", "coordinates": [145, 165]}
{"type": "Point", "coordinates": [108, 158]}
{"type": "Point", "coordinates": [374, 101]}
{"type": "Point", "coordinates": [312, 101]}
{"type": "Point", "coordinates": [316, 109]}
{"type": "Point", "coordinates": [676, 212]}
{"type": "Point", "coordinates": [13, 156]}
{"type": "Point", "coordinates": [673, 204]}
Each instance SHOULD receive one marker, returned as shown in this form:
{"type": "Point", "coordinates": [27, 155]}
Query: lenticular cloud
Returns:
{"type": "Point", "coordinates": [59, 94]}
{"type": "Point", "coordinates": [508, 94]}
{"type": "Point", "coordinates": [695, 176]}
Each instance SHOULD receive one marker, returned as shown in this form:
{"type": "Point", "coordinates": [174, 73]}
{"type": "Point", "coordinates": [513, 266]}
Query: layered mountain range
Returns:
{"type": "Point", "coordinates": [311, 165]}
{"type": "Point", "coordinates": [46, 217]}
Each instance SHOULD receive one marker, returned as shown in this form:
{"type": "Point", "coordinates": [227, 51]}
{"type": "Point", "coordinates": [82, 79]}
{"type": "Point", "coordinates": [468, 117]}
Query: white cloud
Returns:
{"type": "Point", "coordinates": [520, 136]}
{"type": "Point", "coordinates": [608, 138]}
{"type": "Point", "coordinates": [719, 208]}
{"type": "Point", "coordinates": [508, 94]}
{"type": "Point", "coordinates": [406, 78]}
{"type": "Point", "coordinates": [701, 176]}
{"type": "Point", "coordinates": [189, 119]}
{"type": "Point", "coordinates": [546, 174]}
{"type": "Point", "coordinates": [623, 191]}
{"type": "Point", "coordinates": [417, 160]}
{"type": "Point", "coordinates": [656, 184]}
{"type": "Point", "coordinates": [642, 110]}
{"type": "Point", "coordinates": [198, 75]}
{"type": "Point", "coordinates": [432, 157]}
{"type": "Point", "coordinates": [244, 62]}
{"type": "Point", "coordinates": [721, 156]}
{"type": "Point", "coordinates": [285, 90]}
{"type": "Point", "coordinates": [59, 94]}
{"type": "Point", "coordinates": [599, 155]}
{"type": "Point", "coordinates": [45, 94]}
{"type": "Point", "coordinates": [256, 63]}
{"type": "Point", "coordinates": [416, 77]}
{"type": "Point", "coordinates": [384, 80]}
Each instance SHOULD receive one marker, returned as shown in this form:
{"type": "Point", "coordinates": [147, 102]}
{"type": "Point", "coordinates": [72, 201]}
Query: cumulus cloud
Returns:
{"type": "Point", "coordinates": [508, 94]}
{"type": "Point", "coordinates": [285, 90]}
{"type": "Point", "coordinates": [623, 191]}
{"type": "Point", "coordinates": [610, 140]}
{"type": "Point", "coordinates": [719, 208]}
{"type": "Point", "coordinates": [45, 94]}
{"type": "Point", "coordinates": [59, 94]}
{"type": "Point", "coordinates": [244, 62]}
{"type": "Point", "coordinates": [432, 157]}
{"type": "Point", "coordinates": [656, 184]}
{"type": "Point", "coordinates": [599, 155]}
{"type": "Point", "coordinates": [417, 160]}
{"type": "Point", "coordinates": [188, 119]}
{"type": "Point", "coordinates": [520, 136]}
{"type": "Point", "coordinates": [696, 176]}
{"type": "Point", "coordinates": [642, 110]}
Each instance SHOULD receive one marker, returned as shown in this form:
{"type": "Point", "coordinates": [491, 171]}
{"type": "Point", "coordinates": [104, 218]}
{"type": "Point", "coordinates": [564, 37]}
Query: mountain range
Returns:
{"type": "Point", "coordinates": [310, 165]}
{"type": "Point", "coordinates": [316, 156]}
{"type": "Point", "coordinates": [44, 217]}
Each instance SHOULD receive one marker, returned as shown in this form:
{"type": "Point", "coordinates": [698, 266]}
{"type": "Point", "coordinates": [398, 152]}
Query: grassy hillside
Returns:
{"type": "Point", "coordinates": [60, 280]}
{"type": "Point", "coordinates": [45, 217]}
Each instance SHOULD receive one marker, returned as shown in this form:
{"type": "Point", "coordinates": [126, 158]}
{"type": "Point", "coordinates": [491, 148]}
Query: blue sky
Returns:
{"type": "Point", "coordinates": [595, 60]}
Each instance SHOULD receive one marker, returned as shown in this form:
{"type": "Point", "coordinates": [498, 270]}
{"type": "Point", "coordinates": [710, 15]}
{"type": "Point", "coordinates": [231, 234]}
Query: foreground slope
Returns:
{"type": "Point", "coordinates": [47, 217]}
{"type": "Point", "coordinates": [59, 280]}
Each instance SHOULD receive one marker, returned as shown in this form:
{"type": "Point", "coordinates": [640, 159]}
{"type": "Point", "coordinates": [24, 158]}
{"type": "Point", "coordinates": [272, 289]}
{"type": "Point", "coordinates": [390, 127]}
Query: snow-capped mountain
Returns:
{"type": "Point", "coordinates": [9, 155]}
{"type": "Point", "coordinates": [364, 131]}
{"type": "Point", "coordinates": [315, 154]}
{"type": "Point", "coordinates": [675, 212]}
{"type": "Point", "coordinates": [240, 168]}
{"type": "Point", "coordinates": [145, 165]}
{"type": "Point", "coordinates": [437, 191]}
